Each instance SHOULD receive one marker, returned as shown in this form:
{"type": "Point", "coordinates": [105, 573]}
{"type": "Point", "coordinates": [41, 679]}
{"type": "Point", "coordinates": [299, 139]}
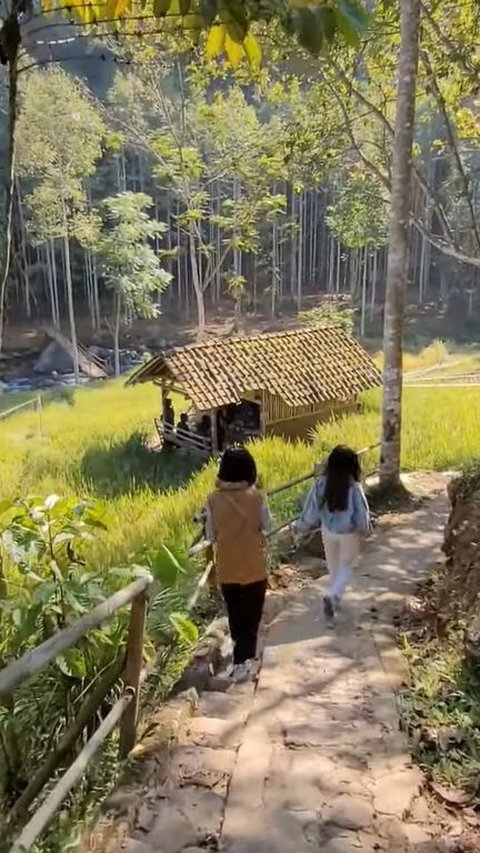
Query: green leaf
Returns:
{"type": "Point", "coordinates": [326, 21]}
{"type": "Point", "coordinates": [252, 50]}
{"type": "Point", "coordinates": [186, 629]}
{"type": "Point", "coordinates": [72, 663]}
{"type": "Point", "coordinates": [215, 41]}
{"type": "Point", "coordinates": [26, 621]}
{"type": "Point", "coordinates": [310, 34]}
{"type": "Point", "coordinates": [233, 15]}
{"type": "Point", "coordinates": [164, 566]}
{"type": "Point", "coordinates": [234, 50]}
{"type": "Point", "coordinates": [5, 505]}
{"type": "Point", "coordinates": [43, 592]}
{"type": "Point", "coordinates": [351, 21]}
{"type": "Point", "coordinates": [208, 11]}
{"type": "Point", "coordinates": [161, 7]}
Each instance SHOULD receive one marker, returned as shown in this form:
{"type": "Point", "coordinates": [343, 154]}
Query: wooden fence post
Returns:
{"type": "Point", "coordinates": [39, 408]}
{"type": "Point", "coordinates": [133, 670]}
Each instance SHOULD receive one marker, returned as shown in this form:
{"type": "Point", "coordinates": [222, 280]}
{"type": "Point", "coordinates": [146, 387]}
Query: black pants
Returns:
{"type": "Point", "coordinates": [245, 608]}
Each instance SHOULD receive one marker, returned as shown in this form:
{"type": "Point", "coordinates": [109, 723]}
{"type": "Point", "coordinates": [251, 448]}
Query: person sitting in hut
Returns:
{"type": "Point", "coordinates": [168, 412]}
{"type": "Point", "coordinates": [183, 425]}
{"type": "Point", "coordinates": [205, 427]}
{"type": "Point", "coordinates": [236, 519]}
{"type": "Point", "coordinates": [221, 428]}
{"type": "Point", "coordinates": [168, 418]}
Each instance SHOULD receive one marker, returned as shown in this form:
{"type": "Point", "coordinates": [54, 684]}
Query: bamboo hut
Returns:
{"type": "Point", "coordinates": [280, 383]}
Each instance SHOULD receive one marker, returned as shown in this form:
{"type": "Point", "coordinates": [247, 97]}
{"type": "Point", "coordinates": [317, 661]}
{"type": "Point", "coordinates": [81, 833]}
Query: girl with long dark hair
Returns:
{"type": "Point", "coordinates": [337, 503]}
{"type": "Point", "coordinates": [236, 519]}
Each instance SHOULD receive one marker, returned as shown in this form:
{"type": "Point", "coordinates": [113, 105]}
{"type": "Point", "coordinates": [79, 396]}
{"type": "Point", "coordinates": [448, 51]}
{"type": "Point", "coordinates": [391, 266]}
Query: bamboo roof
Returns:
{"type": "Point", "coordinates": [320, 365]}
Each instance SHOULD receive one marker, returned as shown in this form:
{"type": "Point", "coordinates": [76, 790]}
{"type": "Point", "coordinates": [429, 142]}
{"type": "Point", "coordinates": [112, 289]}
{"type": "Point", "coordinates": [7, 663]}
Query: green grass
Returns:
{"type": "Point", "coordinates": [92, 444]}
{"type": "Point", "coordinates": [439, 360]}
{"type": "Point", "coordinates": [441, 710]}
{"type": "Point", "coordinates": [441, 428]}
{"type": "Point", "coordinates": [440, 705]}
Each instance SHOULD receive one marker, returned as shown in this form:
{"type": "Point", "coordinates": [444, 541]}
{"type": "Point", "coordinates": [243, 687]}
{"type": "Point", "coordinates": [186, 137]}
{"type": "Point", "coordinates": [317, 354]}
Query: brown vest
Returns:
{"type": "Point", "coordinates": [240, 551]}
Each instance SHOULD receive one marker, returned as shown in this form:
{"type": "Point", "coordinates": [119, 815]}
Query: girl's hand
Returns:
{"type": "Point", "coordinates": [294, 534]}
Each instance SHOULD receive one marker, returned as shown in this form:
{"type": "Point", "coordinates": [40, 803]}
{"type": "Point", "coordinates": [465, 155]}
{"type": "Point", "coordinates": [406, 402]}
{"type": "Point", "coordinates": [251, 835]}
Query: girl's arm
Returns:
{"type": "Point", "coordinates": [310, 514]}
{"type": "Point", "coordinates": [361, 512]}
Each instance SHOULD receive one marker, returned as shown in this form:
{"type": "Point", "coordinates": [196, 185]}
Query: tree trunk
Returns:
{"type": "Point", "coordinates": [116, 332]}
{"type": "Point", "coordinates": [273, 295]}
{"type": "Point", "coordinates": [197, 285]}
{"type": "Point", "coordinates": [293, 248]}
{"type": "Point", "coordinates": [364, 291]}
{"type": "Point", "coordinates": [71, 307]}
{"type": "Point", "coordinates": [53, 261]}
{"type": "Point", "coordinates": [12, 51]}
{"type": "Point", "coordinates": [374, 286]}
{"type": "Point", "coordinates": [339, 263]}
{"type": "Point", "coordinates": [331, 264]}
{"type": "Point", "coordinates": [23, 250]}
{"type": "Point", "coordinates": [398, 242]}
{"type": "Point", "coordinates": [301, 238]}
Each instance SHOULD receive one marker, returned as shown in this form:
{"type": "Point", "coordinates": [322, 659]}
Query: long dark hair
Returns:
{"type": "Point", "coordinates": [237, 465]}
{"type": "Point", "coordinates": [343, 466]}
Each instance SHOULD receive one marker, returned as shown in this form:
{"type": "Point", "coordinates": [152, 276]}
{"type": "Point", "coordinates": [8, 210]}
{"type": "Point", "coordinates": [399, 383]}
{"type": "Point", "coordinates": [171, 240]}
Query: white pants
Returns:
{"type": "Point", "coordinates": [341, 552]}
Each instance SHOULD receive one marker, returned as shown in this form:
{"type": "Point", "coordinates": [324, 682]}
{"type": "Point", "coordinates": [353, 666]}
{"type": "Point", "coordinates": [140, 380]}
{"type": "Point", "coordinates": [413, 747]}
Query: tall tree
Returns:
{"type": "Point", "coordinates": [127, 260]}
{"type": "Point", "coordinates": [229, 27]}
{"type": "Point", "coordinates": [59, 141]}
{"type": "Point", "coordinates": [398, 241]}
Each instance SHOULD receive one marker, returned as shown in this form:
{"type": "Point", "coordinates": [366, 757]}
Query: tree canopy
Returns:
{"type": "Point", "coordinates": [228, 24]}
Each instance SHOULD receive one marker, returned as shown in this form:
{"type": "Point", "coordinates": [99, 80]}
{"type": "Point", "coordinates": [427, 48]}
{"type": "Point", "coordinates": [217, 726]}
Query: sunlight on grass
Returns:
{"type": "Point", "coordinates": [93, 444]}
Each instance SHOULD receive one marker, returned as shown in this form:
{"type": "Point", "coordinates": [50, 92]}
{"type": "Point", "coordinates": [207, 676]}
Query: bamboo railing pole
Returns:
{"type": "Point", "coordinates": [20, 406]}
{"type": "Point", "coordinates": [37, 658]}
{"type": "Point", "coordinates": [39, 408]}
{"type": "Point", "coordinates": [133, 671]}
{"type": "Point", "coordinates": [89, 707]}
{"type": "Point", "coordinates": [45, 814]}
{"type": "Point", "coordinates": [203, 580]}
{"type": "Point", "coordinates": [290, 484]}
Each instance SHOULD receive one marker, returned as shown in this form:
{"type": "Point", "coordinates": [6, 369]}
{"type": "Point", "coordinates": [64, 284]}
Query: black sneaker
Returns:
{"type": "Point", "coordinates": [328, 607]}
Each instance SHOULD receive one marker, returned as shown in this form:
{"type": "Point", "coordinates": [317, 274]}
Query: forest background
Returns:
{"type": "Point", "coordinates": [239, 191]}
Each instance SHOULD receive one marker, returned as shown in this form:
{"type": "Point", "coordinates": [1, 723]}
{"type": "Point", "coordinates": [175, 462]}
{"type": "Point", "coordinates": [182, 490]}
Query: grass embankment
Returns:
{"type": "Point", "coordinates": [441, 709]}
{"type": "Point", "coordinates": [441, 705]}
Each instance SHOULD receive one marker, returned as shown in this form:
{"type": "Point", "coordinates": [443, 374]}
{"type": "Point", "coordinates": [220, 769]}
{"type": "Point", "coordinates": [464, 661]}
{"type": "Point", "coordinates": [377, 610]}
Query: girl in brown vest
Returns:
{"type": "Point", "coordinates": [236, 520]}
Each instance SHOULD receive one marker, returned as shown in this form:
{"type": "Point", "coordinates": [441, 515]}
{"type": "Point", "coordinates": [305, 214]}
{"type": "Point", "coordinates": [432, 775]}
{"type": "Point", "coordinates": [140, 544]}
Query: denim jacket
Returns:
{"type": "Point", "coordinates": [315, 513]}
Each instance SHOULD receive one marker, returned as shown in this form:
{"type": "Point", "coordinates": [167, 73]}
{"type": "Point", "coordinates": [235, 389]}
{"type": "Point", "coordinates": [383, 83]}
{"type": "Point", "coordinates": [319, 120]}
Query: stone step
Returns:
{"type": "Point", "coordinates": [233, 704]}
{"type": "Point", "coordinates": [215, 733]}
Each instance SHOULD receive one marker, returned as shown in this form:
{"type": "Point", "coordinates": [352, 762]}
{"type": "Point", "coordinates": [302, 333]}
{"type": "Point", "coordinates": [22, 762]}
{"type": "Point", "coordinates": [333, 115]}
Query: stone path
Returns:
{"type": "Point", "coordinates": [313, 758]}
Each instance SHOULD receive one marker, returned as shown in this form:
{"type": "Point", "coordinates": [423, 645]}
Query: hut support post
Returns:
{"type": "Point", "coordinates": [164, 397]}
{"type": "Point", "coordinates": [214, 430]}
{"type": "Point", "coordinates": [263, 420]}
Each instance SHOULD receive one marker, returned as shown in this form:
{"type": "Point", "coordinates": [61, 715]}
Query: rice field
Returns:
{"type": "Point", "coordinates": [91, 443]}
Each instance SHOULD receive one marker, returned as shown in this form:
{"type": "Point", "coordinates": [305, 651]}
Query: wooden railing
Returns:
{"type": "Point", "coordinates": [183, 438]}
{"type": "Point", "coordinates": [123, 713]}
{"type": "Point", "coordinates": [458, 380]}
